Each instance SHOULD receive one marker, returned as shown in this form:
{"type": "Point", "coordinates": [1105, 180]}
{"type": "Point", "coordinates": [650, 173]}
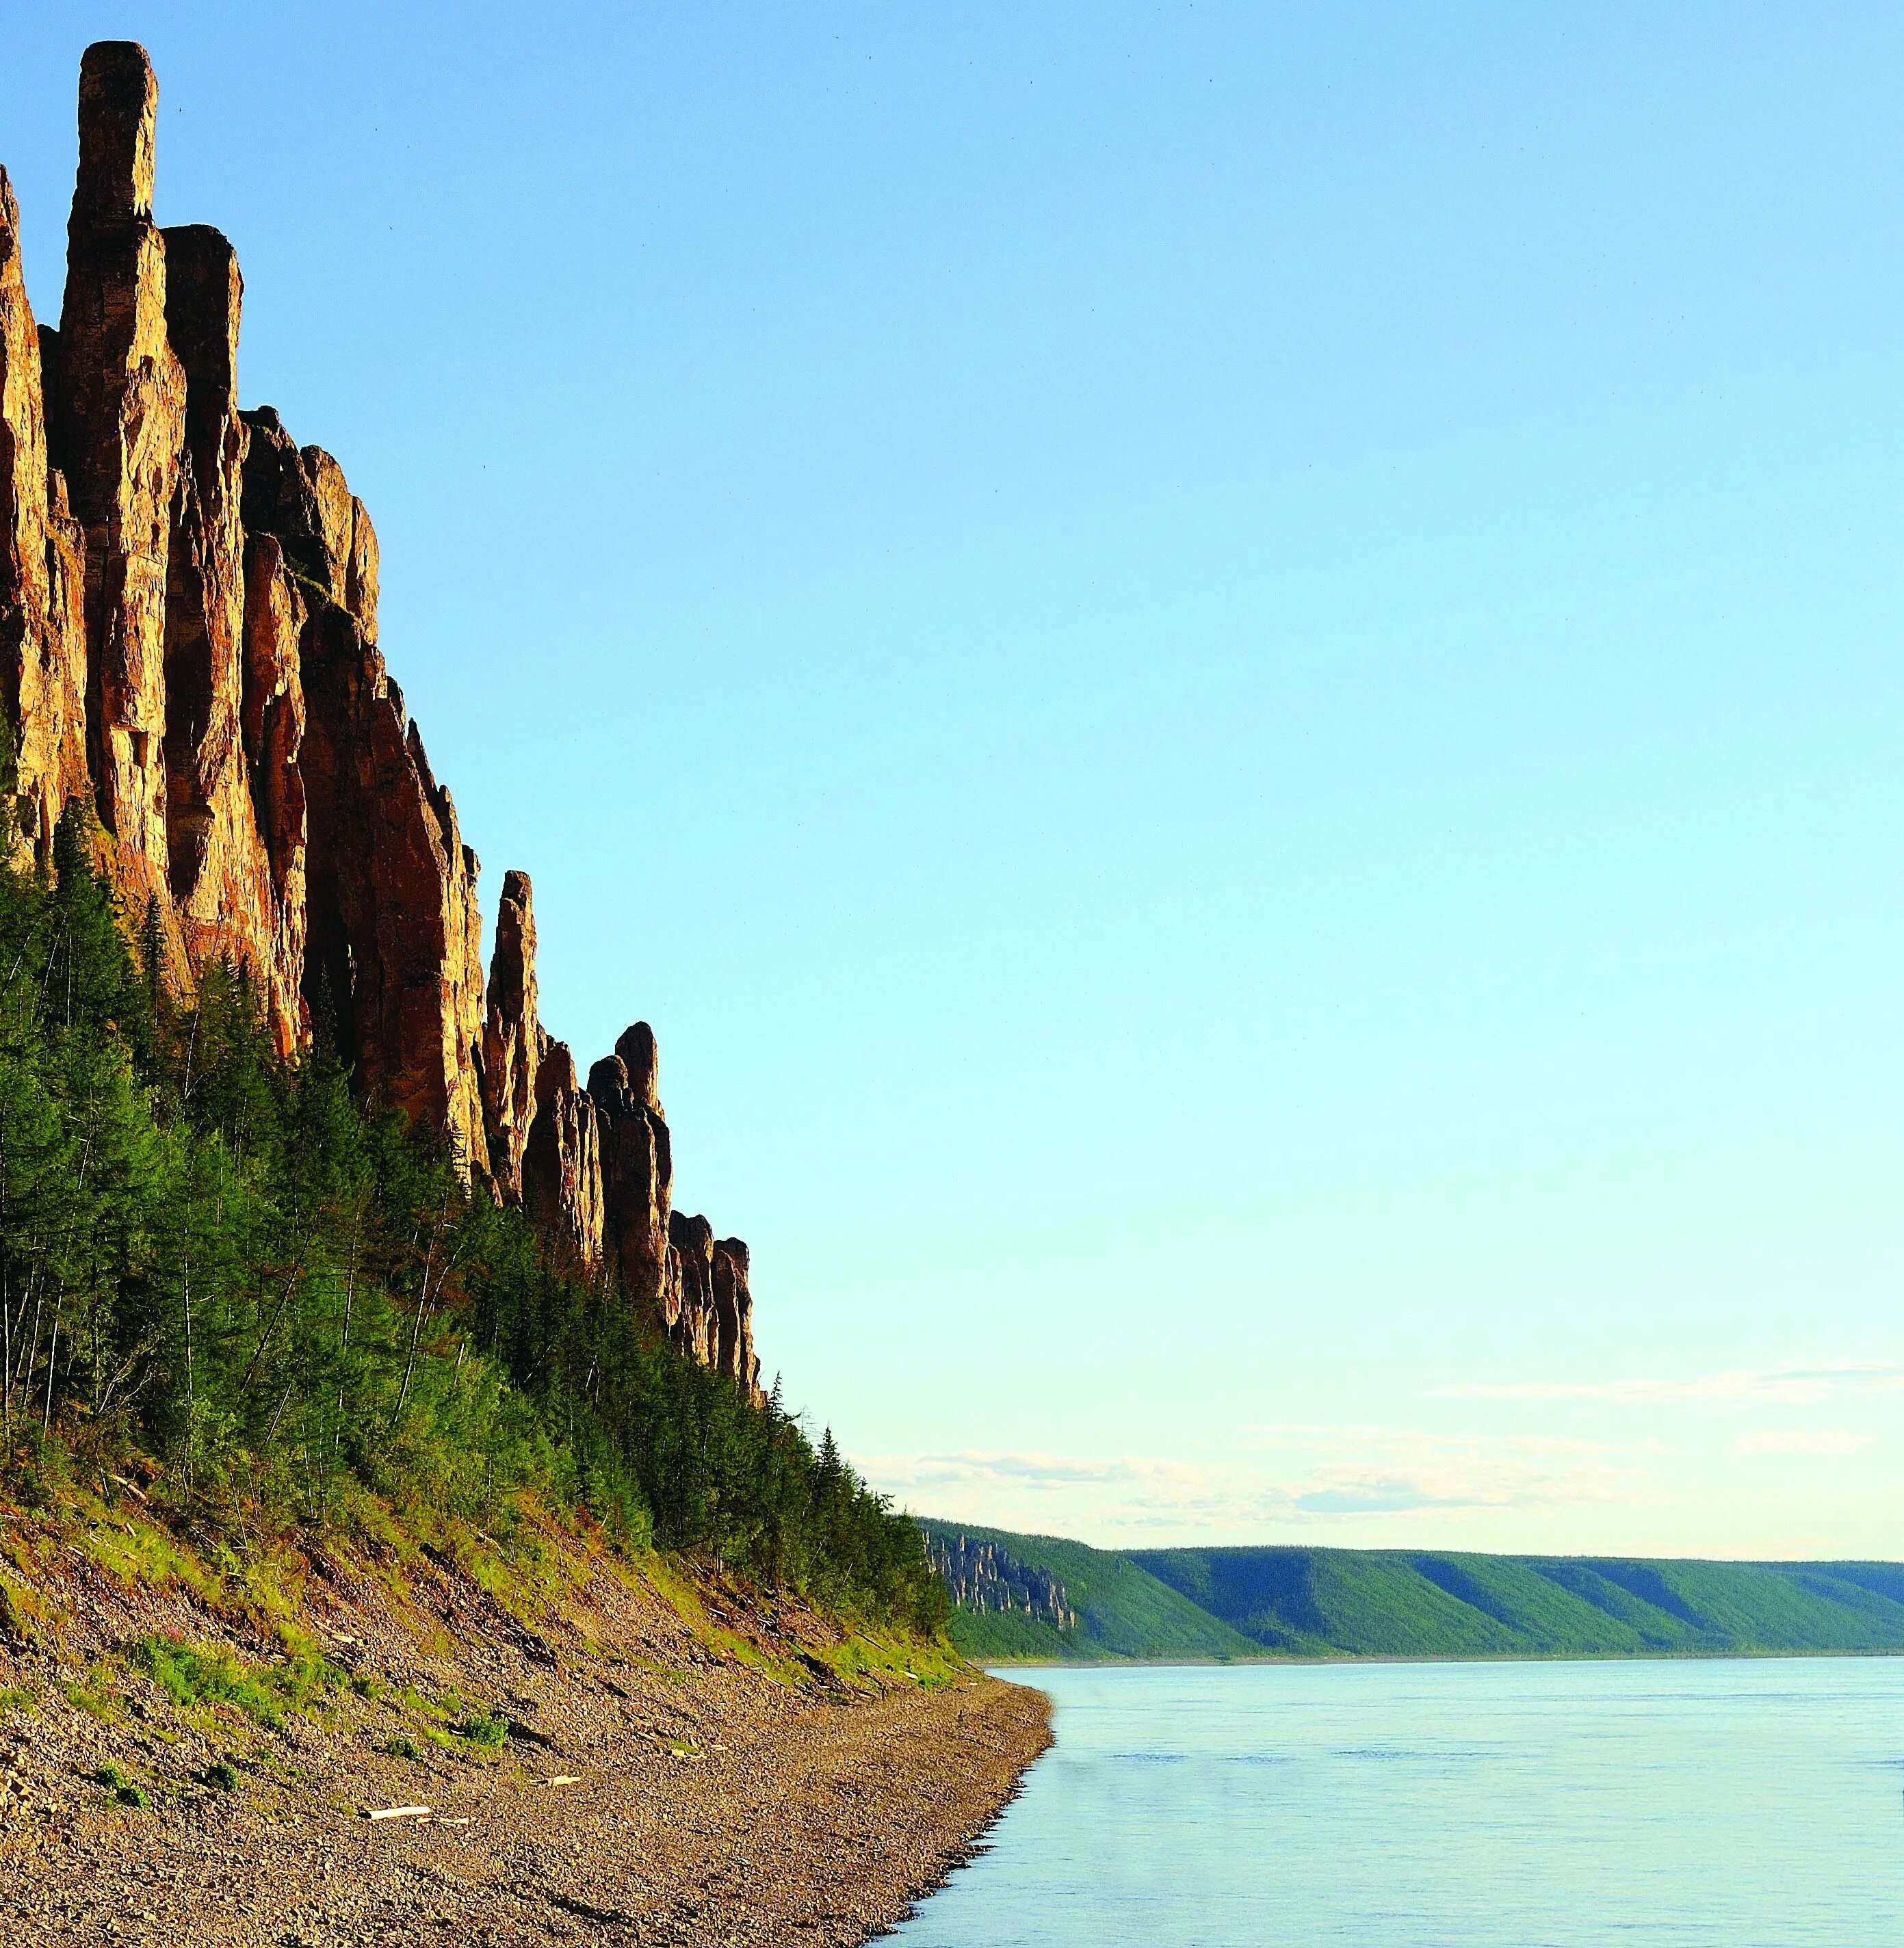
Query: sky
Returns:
{"type": "Point", "coordinates": [1227, 676]}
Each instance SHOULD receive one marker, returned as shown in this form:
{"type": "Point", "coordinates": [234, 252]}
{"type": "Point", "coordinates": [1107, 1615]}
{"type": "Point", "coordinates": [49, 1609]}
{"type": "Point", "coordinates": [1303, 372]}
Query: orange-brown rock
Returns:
{"type": "Point", "coordinates": [272, 726]}
{"type": "Point", "coordinates": [188, 645]}
{"type": "Point", "coordinates": [713, 1313]}
{"type": "Point", "coordinates": [734, 1353]}
{"type": "Point", "coordinates": [229, 902]}
{"type": "Point", "coordinates": [118, 437]}
{"type": "Point", "coordinates": [512, 1037]}
{"type": "Point", "coordinates": [637, 1170]}
{"type": "Point", "coordinates": [42, 631]}
{"type": "Point", "coordinates": [393, 938]}
{"type": "Point", "coordinates": [561, 1163]}
{"type": "Point", "coordinates": [690, 1242]}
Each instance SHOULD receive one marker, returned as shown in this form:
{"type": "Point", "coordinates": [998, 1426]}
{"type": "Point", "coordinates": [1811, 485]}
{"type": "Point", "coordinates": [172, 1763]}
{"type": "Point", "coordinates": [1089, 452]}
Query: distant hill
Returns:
{"type": "Point", "coordinates": [1198, 1603]}
{"type": "Point", "coordinates": [1323, 1602]}
{"type": "Point", "coordinates": [1118, 1610]}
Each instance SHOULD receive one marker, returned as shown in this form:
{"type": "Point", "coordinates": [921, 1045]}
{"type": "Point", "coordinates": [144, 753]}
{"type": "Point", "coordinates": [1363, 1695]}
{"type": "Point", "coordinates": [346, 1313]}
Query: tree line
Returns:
{"type": "Point", "coordinates": [290, 1299]}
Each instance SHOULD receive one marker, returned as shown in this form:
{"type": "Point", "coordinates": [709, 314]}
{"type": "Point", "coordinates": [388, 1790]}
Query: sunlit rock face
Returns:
{"type": "Point", "coordinates": [189, 652]}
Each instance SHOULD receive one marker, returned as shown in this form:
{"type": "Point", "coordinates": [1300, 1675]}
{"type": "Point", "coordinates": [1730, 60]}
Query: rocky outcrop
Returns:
{"type": "Point", "coordinates": [223, 886]}
{"type": "Point", "coordinates": [43, 628]}
{"type": "Point", "coordinates": [561, 1164]}
{"type": "Point", "coordinates": [733, 1350]}
{"type": "Point", "coordinates": [119, 436]}
{"type": "Point", "coordinates": [981, 1577]}
{"type": "Point", "coordinates": [394, 940]}
{"type": "Point", "coordinates": [511, 1037]}
{"type": "Point", "coordinates": [189, 648]}
{"type": "Point", "coordinates": [637, 1172]}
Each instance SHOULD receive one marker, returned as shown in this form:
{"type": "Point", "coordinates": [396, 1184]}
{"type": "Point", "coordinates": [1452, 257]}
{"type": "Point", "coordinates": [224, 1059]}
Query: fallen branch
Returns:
{"type": "Point", "coordinates": [396, 1812]}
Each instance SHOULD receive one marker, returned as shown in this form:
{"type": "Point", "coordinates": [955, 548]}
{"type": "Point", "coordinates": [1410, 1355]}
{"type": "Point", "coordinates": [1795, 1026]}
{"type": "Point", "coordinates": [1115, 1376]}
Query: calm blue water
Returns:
{"type": "Point", "coordinates": [1750, 1804]}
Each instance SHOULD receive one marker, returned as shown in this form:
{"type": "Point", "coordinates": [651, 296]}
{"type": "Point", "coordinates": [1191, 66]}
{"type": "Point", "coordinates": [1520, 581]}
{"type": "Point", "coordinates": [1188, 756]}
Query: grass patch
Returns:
{"type": "Point", "coordinates": [93, 1694]}
{"type": "Point", "coordinates": [14, 1698]}
{"type": "Point", "coordinates": [400, 1748]}
{"type": "Point", "coordinates": [188, 1676]}
{"type": "Point", "coordinates": [482, 1728]}
{"type": "Point", "coordinates": [222, 1775]}
{"type": "Point", "coordinates": [121, 1788]}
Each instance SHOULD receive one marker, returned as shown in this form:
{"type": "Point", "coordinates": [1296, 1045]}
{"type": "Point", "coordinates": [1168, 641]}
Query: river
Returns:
{"type": "Point", "coordinates": [1753, 1803]}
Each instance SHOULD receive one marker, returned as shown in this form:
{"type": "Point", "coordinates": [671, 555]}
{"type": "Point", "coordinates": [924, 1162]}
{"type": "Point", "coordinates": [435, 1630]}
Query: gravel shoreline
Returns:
{"type": "Point", "coordinates": [711, 1796]}
{"type": "Point", "coordinates": [826, 1829]}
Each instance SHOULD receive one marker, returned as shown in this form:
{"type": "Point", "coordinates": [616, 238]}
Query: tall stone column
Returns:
{"type": "Point", "coordinates": [120, 429]}
{"type": "Point", "coordinates": [42, 627]}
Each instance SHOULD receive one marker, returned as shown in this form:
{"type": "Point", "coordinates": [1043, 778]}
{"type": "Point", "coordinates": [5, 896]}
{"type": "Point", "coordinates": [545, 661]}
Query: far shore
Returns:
{"type": "Point", "coordinates": [1004, 1663]}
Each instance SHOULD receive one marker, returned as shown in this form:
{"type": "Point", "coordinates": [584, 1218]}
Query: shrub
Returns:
{"type": "Point", "coordinates": [482, 1728]}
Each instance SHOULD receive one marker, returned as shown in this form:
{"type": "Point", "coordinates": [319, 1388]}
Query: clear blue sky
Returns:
{"type": "Point", "coordinates": [1228, 676]}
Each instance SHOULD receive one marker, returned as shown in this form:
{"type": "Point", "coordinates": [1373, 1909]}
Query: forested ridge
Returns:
{"type": "Point", "coordinates": [1286, 1601]}
{"type": "Point", "coordinates": [220, 1263]}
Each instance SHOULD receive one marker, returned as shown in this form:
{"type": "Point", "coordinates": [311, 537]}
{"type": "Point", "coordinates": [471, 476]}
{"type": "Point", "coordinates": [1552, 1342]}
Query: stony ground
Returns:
{"type": "Point", "coordinates": [735, 1776]}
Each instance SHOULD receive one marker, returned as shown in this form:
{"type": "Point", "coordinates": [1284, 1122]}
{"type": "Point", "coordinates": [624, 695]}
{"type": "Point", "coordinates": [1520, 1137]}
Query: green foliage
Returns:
{"type": "Point", "coordinates": [1394, 1603]}
{"type": "Point", "coordinates": [222, 1259]}
{"type": "Point", "coordinates": [188, 1675]}
{"type": "Point", "coordinates": [1122, 1611]}
{"type": "Point", "coordinates": [482, 1728]}
{"type": "Point", "coordinates": [1181, 1603]}
{"type": "Point", "coordinates": [400, 1748]}
{"type": "Point", "coordinates": [222, 1775]}
{"type": "Point", "coordinates": [109, 1777]}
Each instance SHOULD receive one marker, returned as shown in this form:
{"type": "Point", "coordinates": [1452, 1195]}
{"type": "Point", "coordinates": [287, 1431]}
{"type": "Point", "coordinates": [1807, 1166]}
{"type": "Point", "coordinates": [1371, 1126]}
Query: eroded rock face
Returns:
{"type": "Point", "coordinates": [733, 1354]}
{"type": "Point", "coordinates": [692, 1327]}
{"type": "Point", "coordinates": [118, 438]}
{"type": "Point", "coordinates": [188, 646]}
{"type": "Point", "coordinates": [271, 726]}
{"type": "Point", "coordinates": [511, 1037]}
{"type": "Point", "coordinates": [229, 900]}
{"type": "Point", "coordinates": [561, 1164]}
{"type": "Point", "coordinates": [43, 628]}
{"type": "Point", "coordinates": [636, 1178]}
{"type": "Point", "coordinates": [393, 938]}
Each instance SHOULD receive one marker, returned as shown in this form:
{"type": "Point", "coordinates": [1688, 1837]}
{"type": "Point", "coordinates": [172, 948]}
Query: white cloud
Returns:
{"type": "Point", "coordinates": [1800, 1441]}
{"type": "Point", "coordinates": [1335, 1475]}
{"type": "Point", "coordinates": [1775, 1386]}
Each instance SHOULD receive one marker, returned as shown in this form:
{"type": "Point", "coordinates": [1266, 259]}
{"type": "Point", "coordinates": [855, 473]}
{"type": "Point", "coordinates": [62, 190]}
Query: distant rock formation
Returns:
{"type": "Point", "coordinates": [188, 647]}
{"type": "Point", "coordinates": [982, 1576]}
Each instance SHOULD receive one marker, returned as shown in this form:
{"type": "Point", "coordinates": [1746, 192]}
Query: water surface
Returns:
{"type": "Point", "coordinates": [1750, 1803]}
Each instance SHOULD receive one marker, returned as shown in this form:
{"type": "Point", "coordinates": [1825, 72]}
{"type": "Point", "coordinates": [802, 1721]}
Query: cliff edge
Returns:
{"type": "Point", "coordinates": [190, 662]}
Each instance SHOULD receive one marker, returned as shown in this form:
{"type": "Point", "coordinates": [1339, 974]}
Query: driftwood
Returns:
{"type": "Point", "coordinates": [396, 1812]}
{"type": "Point", "coordinates": [563, 1779]}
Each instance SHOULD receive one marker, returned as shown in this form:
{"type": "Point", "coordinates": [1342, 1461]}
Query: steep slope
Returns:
{"type": "Point", "coordinates": [1116, 1609]}
{"type": "Point", "coordinates": [598, 1748]}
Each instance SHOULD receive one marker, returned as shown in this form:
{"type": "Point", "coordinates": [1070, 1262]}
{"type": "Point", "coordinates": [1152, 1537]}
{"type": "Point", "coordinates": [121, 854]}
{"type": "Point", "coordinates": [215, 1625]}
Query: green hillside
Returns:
{"type": "Point", "coordinates": [1334, 1602]}
{"type": "Point", "coordinates": [1190, 1604]}
{"type": "Point", "coordinates": [1123, 1611]}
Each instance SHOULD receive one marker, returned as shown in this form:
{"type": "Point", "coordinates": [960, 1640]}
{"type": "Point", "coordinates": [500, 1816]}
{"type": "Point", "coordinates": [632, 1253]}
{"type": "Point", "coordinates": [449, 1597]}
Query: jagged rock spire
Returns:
{"type": "Point", "coordinates": [188, 643]}
{"type": "Point", "coordinates": [512, 1036]}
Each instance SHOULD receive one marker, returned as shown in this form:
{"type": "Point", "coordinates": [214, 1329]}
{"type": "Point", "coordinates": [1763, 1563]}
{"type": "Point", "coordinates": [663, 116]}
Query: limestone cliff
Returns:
{"type": "Point", "coordinates": [985, 1578]}
{"type": "Point", "coordinates": [189, 654]}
